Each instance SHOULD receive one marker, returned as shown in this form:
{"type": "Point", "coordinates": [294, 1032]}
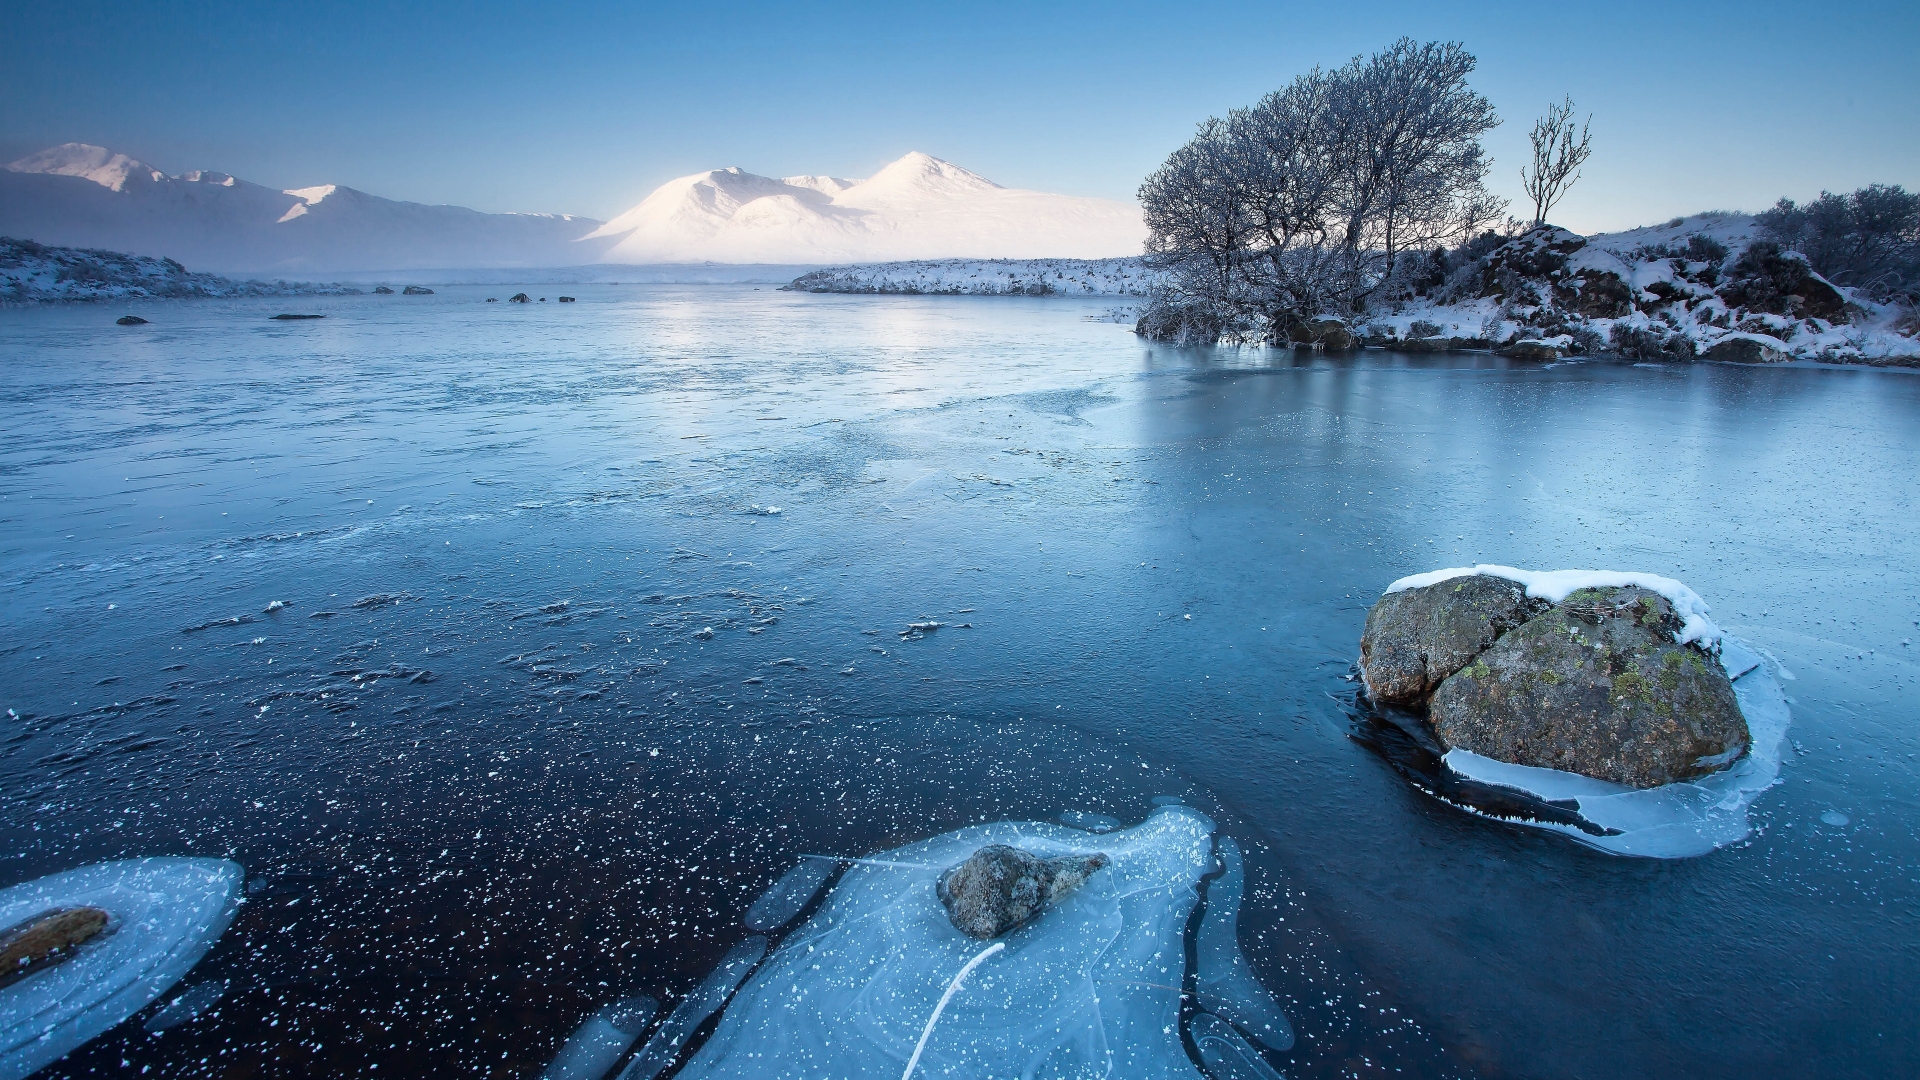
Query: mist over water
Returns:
{"type": "Point", "coordinates": [593, 625]}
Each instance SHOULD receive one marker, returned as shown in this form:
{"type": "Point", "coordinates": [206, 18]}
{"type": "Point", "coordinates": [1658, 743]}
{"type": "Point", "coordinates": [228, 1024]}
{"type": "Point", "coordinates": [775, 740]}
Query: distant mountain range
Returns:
{"type": "Point", "coordinates": [88, 196]}
{"type": "Point", "coordinates": [918, 207]}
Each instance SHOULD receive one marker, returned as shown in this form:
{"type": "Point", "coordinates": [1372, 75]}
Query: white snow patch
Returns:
{"type": "Point", "coordinates": [313, 195]}
{"type": "Point", "coordinates": [1554, 586]}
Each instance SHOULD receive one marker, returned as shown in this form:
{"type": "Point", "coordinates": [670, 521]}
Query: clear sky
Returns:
{"type": "Point", "coordinates": [584, 108]}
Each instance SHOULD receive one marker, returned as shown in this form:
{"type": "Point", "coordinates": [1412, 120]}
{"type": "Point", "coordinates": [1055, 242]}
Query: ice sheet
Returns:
{"type": "Point", "coordinates": [165, 913]}
{"type": "Point", "coordinates": [1556, 585]}
{"type": "Point", "coordinates": [1674, 821]}
{"type": "Point", "coordinates": [1090, 988]}
{"type": "Point", "coordinates": [1224, 982]}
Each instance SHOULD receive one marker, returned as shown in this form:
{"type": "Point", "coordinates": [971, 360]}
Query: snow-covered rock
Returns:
{"type": "Point", "coordinates": [1698, 287]}
{"type": "Point", "coordinates": [918, 207]}
{"type": "Point", "coordinates": [985, 277]}
{"type": "Point", "coordinates": [31, 272]}
{"type": "Point", "coordinates": [90, 197]}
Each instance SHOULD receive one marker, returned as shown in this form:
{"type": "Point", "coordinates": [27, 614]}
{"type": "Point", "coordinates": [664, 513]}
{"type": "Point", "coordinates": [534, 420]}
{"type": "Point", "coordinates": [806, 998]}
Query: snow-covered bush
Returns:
{"type": "Point", "coordinates": [1867, 240]}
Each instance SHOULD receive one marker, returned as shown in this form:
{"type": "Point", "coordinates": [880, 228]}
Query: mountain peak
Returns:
{"type": "Point", "coordinates": [915, 170]}
{"type": "Point", "coordinates": [85, 160]}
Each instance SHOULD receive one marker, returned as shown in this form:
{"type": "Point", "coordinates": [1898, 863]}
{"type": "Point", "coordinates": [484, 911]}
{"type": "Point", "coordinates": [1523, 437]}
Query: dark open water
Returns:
{"type": "Point", "coordinates": [1165, 556]}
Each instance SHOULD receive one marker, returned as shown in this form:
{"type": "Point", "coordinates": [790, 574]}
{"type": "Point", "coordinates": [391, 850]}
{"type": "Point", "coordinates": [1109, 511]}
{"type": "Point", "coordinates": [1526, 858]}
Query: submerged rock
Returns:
{"type": "Point", "coordinates": [382, 290]}
{"type": "Point", "coordinates": [1533, 349]}
{"type": "Point", "coordinates": [130, 320]}
{"type": "Point", "coordinates": [1595, 686]}
{"type": "Point", "coordinates": [289, 317]}
{"type": "Point", "coordinates": [416, 290]}
{"type": "Point", "coordinates": [1415, 638]}
{"type": "Point", "coordinates": [1000, 887]}
{"type": "Point", "coordinates": [1325, 332]}
{"type": "Point", "coordinates": [1748, 349]}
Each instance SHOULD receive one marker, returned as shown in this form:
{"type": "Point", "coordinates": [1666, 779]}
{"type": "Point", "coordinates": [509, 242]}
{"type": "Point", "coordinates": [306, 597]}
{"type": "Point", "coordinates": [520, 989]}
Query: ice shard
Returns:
{"type": "Point", "coordinates": [165, 913]}
{"type": "Point", "coordinates": [700, 1003]}
{"type": "Point", "coordinates": [1224, 981]}
{"type": "Point", "coordinates": [600, 1041]}
{"type": "Point", "coordinates": [186, 1007]}
{"type": "Point", "coordinates": [1090, 987]}
{"type": "Point", "coordinates": [790, 895]}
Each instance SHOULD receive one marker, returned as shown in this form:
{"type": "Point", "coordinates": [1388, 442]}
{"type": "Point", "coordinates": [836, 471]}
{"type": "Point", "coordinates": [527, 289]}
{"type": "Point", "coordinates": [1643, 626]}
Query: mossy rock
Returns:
{"type": "Point", "coordinates": [1596, 686]}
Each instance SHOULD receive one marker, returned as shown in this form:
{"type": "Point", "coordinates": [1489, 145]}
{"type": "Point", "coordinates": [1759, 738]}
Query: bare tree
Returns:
{"type": "Point", "coordinates": [1304, 203]}
{"type": "Point", "coordinates": [1558, 154]}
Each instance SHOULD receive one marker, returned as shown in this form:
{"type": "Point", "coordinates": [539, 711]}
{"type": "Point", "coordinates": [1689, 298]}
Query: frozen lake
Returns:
{"type": "Point", "coordinates": [556, 693]}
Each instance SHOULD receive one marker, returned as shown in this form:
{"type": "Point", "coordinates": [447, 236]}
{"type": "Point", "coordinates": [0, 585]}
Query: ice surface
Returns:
{"type": "Point", "coordinates": [165, 914]}
{"type": "Point", "coordinates": [1225, 982]}
{"type": "Point", "coordinates": [596, 1045]}
{"type": "Point", "coordinates": [1226, 1055]}
{"type": "Point", "coordinates": [790, 895]}
{"type": "Point", "coordinates": [1556, 585]}
{"type": "Point", "coordinates": [1673, 821]}
{"type": "Point", "coordinates": [1090, 988]}
{"type": "Point", "coordinates": [701, 1002]}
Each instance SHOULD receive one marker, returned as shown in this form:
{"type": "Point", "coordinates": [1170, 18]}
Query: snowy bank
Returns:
{"type": "Point", "coordinates": [985, 277]}
{"type": "Point", "coordinates": [31, 273]}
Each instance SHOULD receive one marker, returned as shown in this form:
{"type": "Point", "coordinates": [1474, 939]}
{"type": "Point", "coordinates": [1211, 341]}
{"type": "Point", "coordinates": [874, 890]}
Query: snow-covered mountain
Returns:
{"type": "Point", "coordinates": [918, 207]}
{"type": "Point", "coordinates": [79, 195]}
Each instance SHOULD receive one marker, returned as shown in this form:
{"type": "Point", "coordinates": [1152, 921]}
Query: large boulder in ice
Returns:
{"type": "Point", "coordinates": [1417, 637]}
{"type": "Point", "coordinates": [1091, 987]}
{"type": "Point", "coordinates": [1000, 887]}
{"type": "Point", "coordinates": [1599, 686]}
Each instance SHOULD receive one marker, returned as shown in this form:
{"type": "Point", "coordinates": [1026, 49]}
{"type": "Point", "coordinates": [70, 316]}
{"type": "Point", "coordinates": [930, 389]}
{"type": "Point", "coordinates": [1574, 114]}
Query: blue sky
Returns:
{"type": "Point", "coordinates": [584, 108]}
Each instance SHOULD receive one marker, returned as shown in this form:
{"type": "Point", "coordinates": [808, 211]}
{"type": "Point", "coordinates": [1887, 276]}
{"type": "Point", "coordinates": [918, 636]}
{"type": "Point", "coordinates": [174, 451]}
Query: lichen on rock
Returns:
{"type": "Point", "coordinates": [1596, 686]}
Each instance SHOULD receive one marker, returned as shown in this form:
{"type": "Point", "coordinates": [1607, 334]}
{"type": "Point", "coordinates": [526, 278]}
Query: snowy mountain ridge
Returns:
{"type": "Point", "coordinates": [917, 207]}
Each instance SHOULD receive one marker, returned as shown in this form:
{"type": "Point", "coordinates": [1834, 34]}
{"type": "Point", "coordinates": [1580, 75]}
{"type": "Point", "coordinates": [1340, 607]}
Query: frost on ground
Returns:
{"type": "Point", "coordinates": [986, 277]}
{"type": "Point", "coordinates": [32, 272]}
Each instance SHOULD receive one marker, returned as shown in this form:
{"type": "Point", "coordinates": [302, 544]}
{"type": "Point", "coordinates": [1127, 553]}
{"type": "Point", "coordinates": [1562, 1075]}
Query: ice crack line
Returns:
{"type": "Point", "coordinates": [952, 987]}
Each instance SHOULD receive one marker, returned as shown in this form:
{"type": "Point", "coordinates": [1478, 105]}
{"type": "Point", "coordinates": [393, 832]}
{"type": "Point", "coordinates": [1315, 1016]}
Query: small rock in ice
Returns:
{"type": "Point", "coordinates": [1001, 887]}
{"type": "Point", "coordinates": [47, 938]}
